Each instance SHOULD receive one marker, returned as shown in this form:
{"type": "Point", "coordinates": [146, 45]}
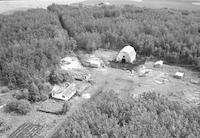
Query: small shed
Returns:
{"type": "Point", "coordinates": [101, 4]}
{"type": "Point", "coordinates": [158, 64]}
{"type": "Point", "coordinates": [95, 62]}
{"type": "Point", "coordinates": [127, 54]}
{"type": "Point", "coordinates": [70, 63]}
{"type": "Point", "coordinates": [178, 75]}
{"type": "Point", "coordinates": [64, 92]}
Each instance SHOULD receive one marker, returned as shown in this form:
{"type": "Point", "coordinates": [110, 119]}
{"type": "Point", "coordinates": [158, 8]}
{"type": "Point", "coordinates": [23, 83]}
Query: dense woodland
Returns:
{"type": "Point", "coordinates": [168, 34]}
{"type": "Point", "coordinates": [33, 42]}
{"type": "Point", "coordinates": [148, 116]}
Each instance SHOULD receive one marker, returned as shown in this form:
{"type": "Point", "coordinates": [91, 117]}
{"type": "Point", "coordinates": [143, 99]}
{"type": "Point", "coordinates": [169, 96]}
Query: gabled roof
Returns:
{"type": "Point", "coordinates": [59, 89]}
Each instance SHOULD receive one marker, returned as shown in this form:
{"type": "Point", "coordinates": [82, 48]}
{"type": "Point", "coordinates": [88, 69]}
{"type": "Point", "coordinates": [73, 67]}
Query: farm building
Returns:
{"type": "Point", "coordinates": [94, 62]}
{"type": "Point", "coordinates": [104, 4]}
{"type": "Point", "coordinates": [64, 92]}
{"type": "Point", "coordinates": [127, 54]}
{"type": "Point", "coordinates": [158, 64]}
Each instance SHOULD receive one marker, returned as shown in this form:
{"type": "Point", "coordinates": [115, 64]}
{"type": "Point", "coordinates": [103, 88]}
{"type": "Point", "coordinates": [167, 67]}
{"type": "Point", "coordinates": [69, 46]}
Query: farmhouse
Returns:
{"type": "Point", "coordinates": [127, 54]}
{"type": "Point", "coordinates": [64, 92]}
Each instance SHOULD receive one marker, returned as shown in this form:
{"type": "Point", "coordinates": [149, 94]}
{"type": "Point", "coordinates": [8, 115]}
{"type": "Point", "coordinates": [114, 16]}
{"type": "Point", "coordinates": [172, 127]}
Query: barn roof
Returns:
{"type": "Point", "coordinates": [130, 51]}
{"type": "Point", "coordinates": [127, 49]}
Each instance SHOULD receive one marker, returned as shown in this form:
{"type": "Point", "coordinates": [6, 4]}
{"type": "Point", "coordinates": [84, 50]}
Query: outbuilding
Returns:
{"type": "Point", "coordinates": [158, 64]}
{"type": "Point", "coordinates": [178, 75]}
{"type": "Point", "coordinates": [126, 55]}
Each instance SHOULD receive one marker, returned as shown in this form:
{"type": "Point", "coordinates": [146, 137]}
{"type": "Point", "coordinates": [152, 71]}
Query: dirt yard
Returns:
{"type": "Point", "coordinates": [159, 80]}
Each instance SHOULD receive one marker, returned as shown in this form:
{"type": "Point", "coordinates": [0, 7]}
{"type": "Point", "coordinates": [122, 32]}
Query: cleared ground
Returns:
{"type": "Point", "coordinates": [159, 80]}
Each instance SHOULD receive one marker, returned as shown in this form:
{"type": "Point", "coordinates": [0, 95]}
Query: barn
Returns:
{"type": "Point", "coordinates": [126, 55]}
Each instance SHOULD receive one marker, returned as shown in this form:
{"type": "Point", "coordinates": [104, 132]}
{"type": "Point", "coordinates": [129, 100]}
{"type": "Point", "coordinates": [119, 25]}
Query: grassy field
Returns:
{"type": "Point", "coordinates": [7, 6]}
{"type": "Point", "coordinates": [12, 5]}
{"type": "Point", "coordinates": [175, 4]}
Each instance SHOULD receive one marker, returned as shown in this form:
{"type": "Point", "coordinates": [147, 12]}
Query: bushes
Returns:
{"type": "Point", "coordinates": [4, 89]}
{"type": "Point", "coordinates": [88, 41]}
{"type": "Point", "coordinates": [149, 115]}
{"type": "Point", "coordinates": [3, 126]}
{"type": "Point", "coordinates": [23, 94]}
{"type": "Point", "coordinates": [66, 107]}
{"type": "Point", "coordinates": [59, 76]}
{"type": "Point", "coordinates": [18, 106]}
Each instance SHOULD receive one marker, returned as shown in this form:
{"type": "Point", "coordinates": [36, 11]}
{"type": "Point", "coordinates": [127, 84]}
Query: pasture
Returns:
{"type": "Point", "coordinates": [155, 4]}
{"type": "Point", "coordinates": [10, 6]}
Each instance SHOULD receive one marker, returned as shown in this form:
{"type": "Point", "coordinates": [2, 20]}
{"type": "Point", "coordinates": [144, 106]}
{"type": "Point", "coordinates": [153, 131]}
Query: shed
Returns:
{"type": "Point", "coordinates": [127, 54]}
{"type": "Point", "coordinates": [158, 64]}
{"type": "Point", "coordinates": [64, 92]}
{"type": "Point", "coordinates": [70, 63]}
{"type": "Point", "coordinates": [95, 62]}
{"type": "Point", "coordinates": [179, 75]}
{"type": "Point", "coordinates": [104, 4]}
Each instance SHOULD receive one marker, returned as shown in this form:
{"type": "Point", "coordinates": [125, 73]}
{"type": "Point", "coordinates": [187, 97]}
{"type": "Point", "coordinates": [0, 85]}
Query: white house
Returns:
{"type": "Point", "coordinates": [64, 92]}
{"type": "Point", "coordinates": [127, 54]}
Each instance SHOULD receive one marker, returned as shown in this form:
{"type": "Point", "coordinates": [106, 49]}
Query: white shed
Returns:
{"type": "Point", "coordinates": [158, 64]}
{"type": "Point", "coordinates": [179, 75]}
{"type": "Point", "coordinates": [127, 54]}
{"type": "Point", "coordinates": [64, 92]}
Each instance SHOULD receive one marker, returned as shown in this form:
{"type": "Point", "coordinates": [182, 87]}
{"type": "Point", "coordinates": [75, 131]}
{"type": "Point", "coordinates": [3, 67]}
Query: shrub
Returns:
{"type": "Point", "coordinates": [4, 89]}
{"type": "Point", "coordinates": [65, 108]}
{"type": "Point", "coordinates": [88, 41]}
{"type": "Point", "coordinates": [55, 77]}
{"type": "Point", "coordinates": [23, 94]}
{"type": "Point", "coordinates": [33, 96]}
{"type": "Point", "coordinates": [34, 93]}
{"type": "Point", "coordinates": [59, 76]}
{"type": "Point", "coordinates": [18, 106]}
{"type": "Point", "coordinates": [3, 126]}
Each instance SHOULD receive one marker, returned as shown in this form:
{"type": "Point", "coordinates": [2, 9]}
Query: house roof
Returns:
{"type": "Point", "coordinates": [61, 89]}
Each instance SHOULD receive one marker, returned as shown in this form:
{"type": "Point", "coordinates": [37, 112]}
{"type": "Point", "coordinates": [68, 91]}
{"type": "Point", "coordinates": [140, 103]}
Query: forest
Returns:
{"type": "Point", "coordinates": [148, 116]}
{"type": "Point", "coordinates": [33, 42]}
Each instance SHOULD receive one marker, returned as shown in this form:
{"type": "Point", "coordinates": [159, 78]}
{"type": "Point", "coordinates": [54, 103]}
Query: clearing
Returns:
{"type": "Point", "coordinates": [123, 82]}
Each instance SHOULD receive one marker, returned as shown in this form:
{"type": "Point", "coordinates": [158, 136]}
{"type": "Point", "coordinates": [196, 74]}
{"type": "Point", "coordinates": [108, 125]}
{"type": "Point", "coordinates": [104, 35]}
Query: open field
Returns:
{"type": "Point", "coordinates": [155, 4]}
{"type": "Point", "coordinates": [13, 5]}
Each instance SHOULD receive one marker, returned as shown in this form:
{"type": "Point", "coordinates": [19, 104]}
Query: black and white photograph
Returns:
{"type": "Point", "coordinates": [99, 68]}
